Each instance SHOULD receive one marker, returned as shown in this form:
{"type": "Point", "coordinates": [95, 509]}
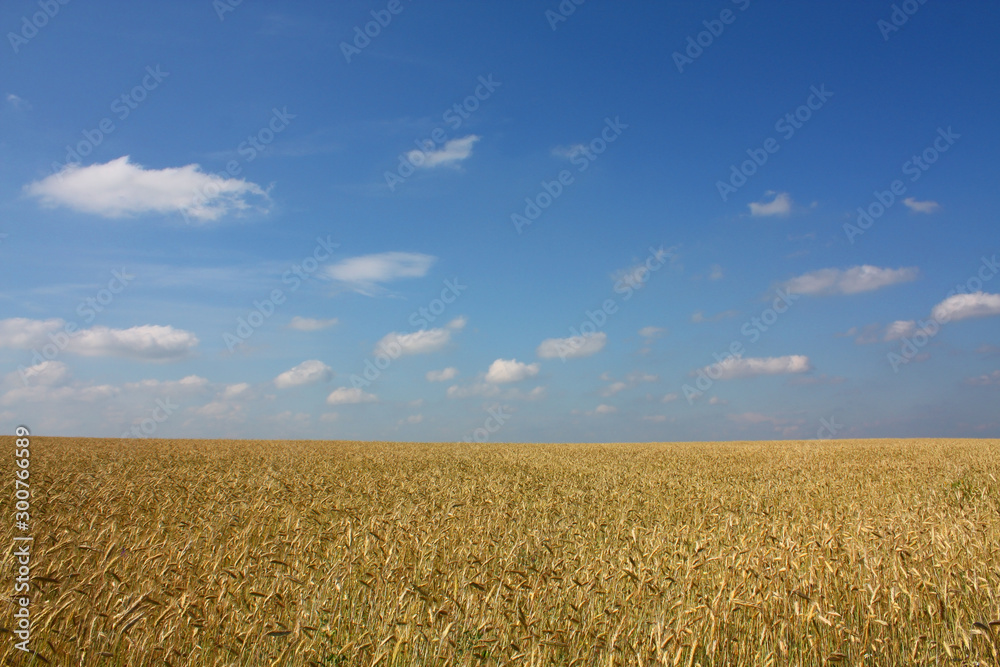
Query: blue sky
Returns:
{"type": "Point", "coordinates": [515, 222]}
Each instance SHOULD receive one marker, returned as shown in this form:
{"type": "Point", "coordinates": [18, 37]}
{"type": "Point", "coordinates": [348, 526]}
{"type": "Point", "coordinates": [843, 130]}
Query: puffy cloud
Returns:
{"type": "Point", "coordinates": [603, 409]}
{"type": "Point", "coordinates": [147, 343]}
{"type": "Point", "coordinates": [364, 274]}
{"type": "Point", "coordinates": [121, 188]}
{"type": "Point", "coordinates": [921, 206]}
{"type": "Point", "coordinates": [453, 152]}
{"type": "Point", "coordinates": [442, 375]}
{"type": "Point", "coordinates": [572, 347]}
{"type": "Point", "coordinates": [503, 371]}
{"type": "Point", "coordinates": [349, 396]}
{"type": "Point", "coordinates": [964, 306]}
{"type": "Point", "coordinates": [740, 367]}
{"type": "Point", "coordinates": [22, 333]}
{"type": "Point", "coordinates": [900, 329]}
{"type": "Point", "coordinates": [780, 205]}
{"type": "Point", "coordinates": [652, 332]}
{"type": "Point", "coordinates": [308, 372]}
{"type": "Point", "coordinates": [310, 324]}
{"type": "Point", "coordinates": [849, 281]}
{"type": "Point", "coordinates": [669, 398]}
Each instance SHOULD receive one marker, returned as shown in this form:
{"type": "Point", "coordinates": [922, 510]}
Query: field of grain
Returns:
{"type": "Point", "coordinates": [152, 552]}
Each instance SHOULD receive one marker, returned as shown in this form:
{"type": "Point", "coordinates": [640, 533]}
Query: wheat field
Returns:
{"type": "Point", "coordinates": [156, 552]}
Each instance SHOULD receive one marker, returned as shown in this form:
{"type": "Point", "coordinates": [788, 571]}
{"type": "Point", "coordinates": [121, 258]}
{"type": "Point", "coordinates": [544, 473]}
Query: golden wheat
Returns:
{"type": "Point", "coordinates": [881, 552]}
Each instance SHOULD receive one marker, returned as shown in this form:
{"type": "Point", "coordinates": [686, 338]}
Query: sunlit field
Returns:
{"type": "Point", "coordinates": [155, 552]}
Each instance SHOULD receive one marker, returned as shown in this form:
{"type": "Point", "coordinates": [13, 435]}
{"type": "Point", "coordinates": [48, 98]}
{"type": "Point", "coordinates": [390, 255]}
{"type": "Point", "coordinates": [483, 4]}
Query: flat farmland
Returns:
{"type": "Point", "coordinates": [209, 552]}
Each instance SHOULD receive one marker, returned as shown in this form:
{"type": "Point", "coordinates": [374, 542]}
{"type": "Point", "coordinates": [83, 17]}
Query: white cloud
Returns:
{"type": "Point", "coordinates": [964, 306]}
{"type": "Point", "coordinates": [669, 398]}
{"type": "Point", "coordinates": [364, 274]}
{"type": "Point", "coordinates": [241, 390]}
{"type": "Point", "coordinates": [310, 324]}
{"type": "Point", "coordinates": [572, 347]}
{"type": "Point", "coordinates": [503, 371]}
{"type": "Point", "coordinates": [603, 409]}
{"type": "Point", "coordinates": [780, 204]}
{"type": "Point", "coordinates": [423, 341]}
{"type": "Point", "coordinates": [414, 419]}
{"type": "Point", "coordinates": [147, 343]}
{"type": "Point", "coordinates": [308, 372]}
{"type": "Point", "coordinates": [900, 329]}
{"type": "Point", "coordinates": [921, 206]}
{"type": "Point", "coordinates": [121, 188]}
{"type": "Point", "coordinates": [47, 373]}
{"type": "Point", "coordinates": [849, 281]}
{"type": "Point", "coordinates": [652, 332]}
{"type": "Point", "coordinates": [716, 273]}
{"type": "Point", "coordinates": [614, 388]}
{"type": "Point", "coordinates": [739, 367]}
{"type": "Point", "coordinates": [22, 333]}
{"type": "Point", "coordinates": [715, 400]}
{"type": "Point", "coordinates": [349, 396]}
{"type": "Point", "coordinates": [452, 152]}
{"type": "Point", "coordinates": [50, 383]}
{"type": "Point", "coordinates": [442, 375]}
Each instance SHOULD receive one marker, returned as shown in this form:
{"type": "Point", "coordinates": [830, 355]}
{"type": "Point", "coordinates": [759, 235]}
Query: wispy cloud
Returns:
{"type": "Point", "coordinates": [453, 152]}
{"type": "Point", "coordinates": [849, 281]}
{"type": "Point", "coordinates": [310, 324]}
{"type": "Point", "coordinates": [921, 206]}
{"type": "Point", "coordinates": [366, 273]}
{"type": "Point", "coordinates": [121, 188]}
{"type": "Point", "coordinates": [442, 375]}
{"type": "Point", "coordinates": [572, 347]}
{"type": "Point", "coordinates": [742, 367]}
{"type": "Point", "coordinates": [350, 396]}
